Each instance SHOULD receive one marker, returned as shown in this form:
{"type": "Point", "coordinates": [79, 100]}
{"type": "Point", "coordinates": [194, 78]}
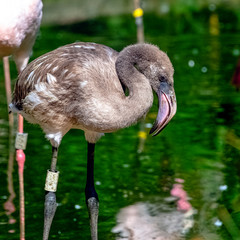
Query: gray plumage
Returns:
{"type": "Point", "coordinates": [80, 86]}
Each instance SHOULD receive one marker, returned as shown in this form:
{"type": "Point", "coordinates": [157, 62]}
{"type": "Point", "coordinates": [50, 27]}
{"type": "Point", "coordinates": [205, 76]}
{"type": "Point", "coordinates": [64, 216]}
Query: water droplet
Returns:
{"type": "Point", "coordinates": [191, 63]}
{"type": "Point", "coordinates": [77, 206]}
{"type": "Point", "coordinates": [218, 223]}
{"type": "Point", "coordinates": [204, 69]}
{"type": "Point", "coordinates": [165, 8]}
{"type": "Point", "coordinates": [98, 183]}
{"type": "Point", "coordinates": [236, 52]}
{"type": "Point", "coordinates": [148, 125]}
{"type": "Point", "coordinates": [212, 7]}
{"type": "Point", "coordinates": [223, 187]}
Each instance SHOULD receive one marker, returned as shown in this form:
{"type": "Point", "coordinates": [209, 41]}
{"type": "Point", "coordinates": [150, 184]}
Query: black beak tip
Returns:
{"type": "Point", "coordinates": [153, 132]}
{"type": "Point", "coordinates": [154, 128]}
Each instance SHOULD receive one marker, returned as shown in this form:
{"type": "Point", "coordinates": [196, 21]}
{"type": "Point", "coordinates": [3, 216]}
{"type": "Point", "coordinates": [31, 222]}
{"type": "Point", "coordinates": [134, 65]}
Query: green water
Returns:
{"type": "Point", "coordinates": [201, 145]}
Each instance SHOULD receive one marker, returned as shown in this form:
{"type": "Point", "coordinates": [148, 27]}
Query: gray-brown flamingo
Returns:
{"type": "Point", "coordinates": [19, 25]}
{"type": "Point", "coordinates": [80, 86]}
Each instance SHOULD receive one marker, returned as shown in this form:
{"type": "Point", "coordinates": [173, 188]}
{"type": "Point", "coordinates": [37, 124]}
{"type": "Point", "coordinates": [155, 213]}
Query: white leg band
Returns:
{"type": "Point", "coordinates": [21, 141]}
{"type": "Point", "coordinates": [51, 181]}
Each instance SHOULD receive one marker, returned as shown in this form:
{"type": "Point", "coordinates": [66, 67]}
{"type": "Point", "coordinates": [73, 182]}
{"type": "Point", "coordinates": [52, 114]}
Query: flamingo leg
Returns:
{"type": "Point", "coordinates": [91, 194]}
{"type": "Point", "coordinates": [50, 195]}
{"type": "Point", "coordinates": [8, 87]}
{"type": "Point", "coordinates": [9, 205]}
{"type": "Point", "coordinates": [20, 156]}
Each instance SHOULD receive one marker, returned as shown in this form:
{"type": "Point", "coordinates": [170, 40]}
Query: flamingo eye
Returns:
{"type": "Point", "coordinates": [163, 79]}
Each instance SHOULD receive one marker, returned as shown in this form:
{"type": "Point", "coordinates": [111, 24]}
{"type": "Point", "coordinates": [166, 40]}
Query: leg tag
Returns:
{"type": "Point", "coordinates": [51, 181]}
{"type": "Point", "coordinates": [21, 141]}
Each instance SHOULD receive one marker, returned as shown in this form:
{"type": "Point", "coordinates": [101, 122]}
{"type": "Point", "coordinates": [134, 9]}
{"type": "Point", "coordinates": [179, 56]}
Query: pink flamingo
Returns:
{"type": "Point", "coordinates": [19, 24]}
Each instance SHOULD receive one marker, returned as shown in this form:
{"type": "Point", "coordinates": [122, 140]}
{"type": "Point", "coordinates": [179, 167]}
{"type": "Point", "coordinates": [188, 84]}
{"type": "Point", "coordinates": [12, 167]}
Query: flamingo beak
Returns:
{"type": "Point", "coordinates": [167, 108]}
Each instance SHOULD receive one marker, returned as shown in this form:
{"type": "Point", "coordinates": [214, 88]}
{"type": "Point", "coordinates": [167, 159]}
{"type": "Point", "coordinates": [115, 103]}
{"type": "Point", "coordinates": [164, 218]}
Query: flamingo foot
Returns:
{"type": "Point", "coordinates": [50, 201]}
{"type": "Point", "coordinates": [93, 209]}
{"type": "Point", "coordinates": [49, 212]}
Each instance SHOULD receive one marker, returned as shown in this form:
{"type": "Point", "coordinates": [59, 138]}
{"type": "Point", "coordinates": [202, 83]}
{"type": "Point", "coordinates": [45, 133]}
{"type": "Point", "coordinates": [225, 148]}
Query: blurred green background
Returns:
{"type": "Point", "coordinates": [80, 10]}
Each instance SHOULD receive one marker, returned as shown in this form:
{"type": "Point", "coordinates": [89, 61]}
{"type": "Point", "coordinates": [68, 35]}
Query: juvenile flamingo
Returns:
{"type": "Point", "coordinates": [19, 24]}
{"type": "Point", "coordinates": [80, 86]}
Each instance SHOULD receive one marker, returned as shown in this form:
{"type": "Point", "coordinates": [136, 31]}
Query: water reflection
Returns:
{"type": "Point", "coordinates": [169, 218]}
{"type": "Point", "coordinates": [236, 76]}
{"type": "Point", "coordinates": [214, 25]}
{"type": "Point", "coordinates": [178, 191]}
{"type": "Point", "coordinates": [9, 206]}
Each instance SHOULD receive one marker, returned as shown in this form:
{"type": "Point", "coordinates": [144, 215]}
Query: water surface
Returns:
{"type": "Point", "coordinates": [196, 156]}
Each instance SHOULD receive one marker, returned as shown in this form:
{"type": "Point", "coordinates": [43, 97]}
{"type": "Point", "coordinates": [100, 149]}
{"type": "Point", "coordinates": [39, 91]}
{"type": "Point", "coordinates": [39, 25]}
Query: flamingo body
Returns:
{"type": "Point", "coordinates": [19, 24]}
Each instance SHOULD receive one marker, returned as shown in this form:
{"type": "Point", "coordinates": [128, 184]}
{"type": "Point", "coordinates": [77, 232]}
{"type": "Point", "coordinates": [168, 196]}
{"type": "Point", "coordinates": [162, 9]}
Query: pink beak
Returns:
{"type": "Point", "coordinates": [167, 108]}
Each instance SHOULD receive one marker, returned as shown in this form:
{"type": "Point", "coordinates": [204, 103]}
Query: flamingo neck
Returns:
{"type": "Point", "coordinates": [140, 98]}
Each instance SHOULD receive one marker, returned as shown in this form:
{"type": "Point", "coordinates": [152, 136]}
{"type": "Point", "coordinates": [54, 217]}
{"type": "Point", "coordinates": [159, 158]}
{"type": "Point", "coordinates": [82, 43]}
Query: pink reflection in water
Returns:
{"type": "Point", "coordinates": [236, 76]}
{"type": "Point", "coordinates": [9, 206]}
{"type": "Point", "coordinates": [159, 220]}
{"type": "Point", "coordinates": [177, 191]}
